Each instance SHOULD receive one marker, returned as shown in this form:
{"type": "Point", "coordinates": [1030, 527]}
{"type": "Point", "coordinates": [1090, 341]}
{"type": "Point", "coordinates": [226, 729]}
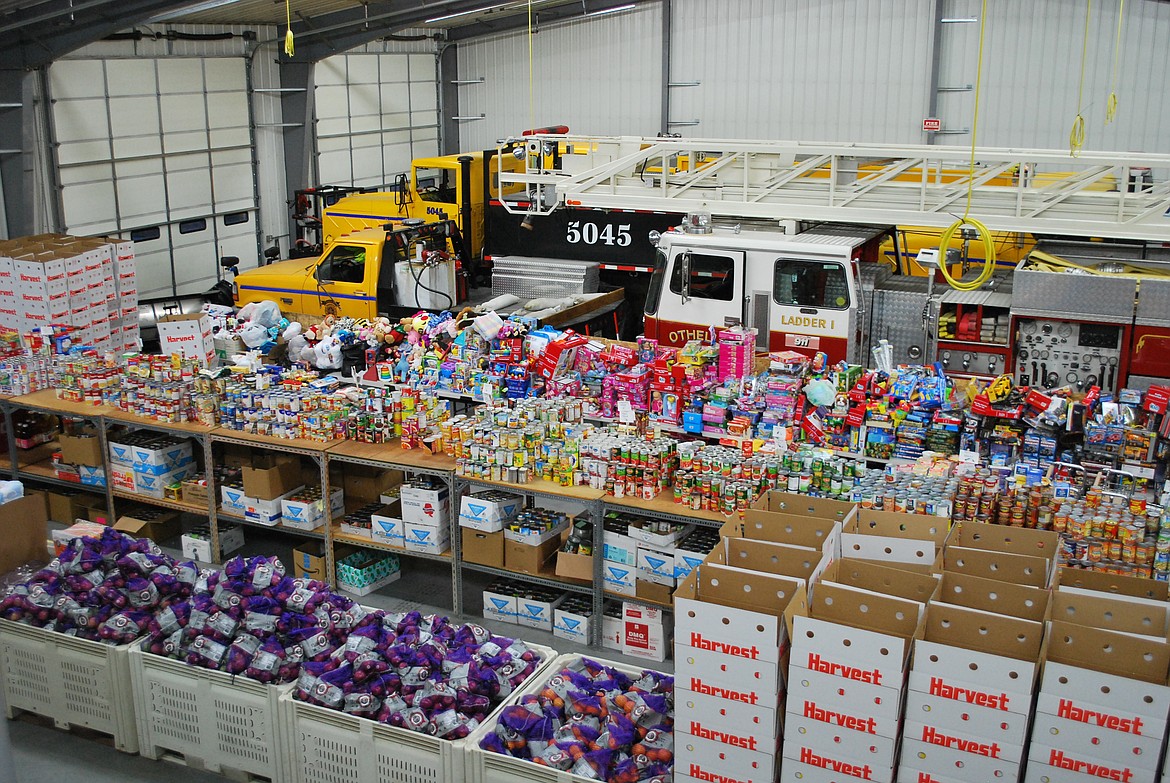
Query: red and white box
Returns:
{"type": "Point", "coordinates": [1102, 707]}
{"type": "Point", "coordinates": [645, 633]}
{"type": "Point", "coordinates": [730, 644]}
{"type": "Point", "coordinates": [970, 694]}
{"type": "Point", "coordinates": [188, 335]}
{"type": "Point", "coordinates": [855, 641]}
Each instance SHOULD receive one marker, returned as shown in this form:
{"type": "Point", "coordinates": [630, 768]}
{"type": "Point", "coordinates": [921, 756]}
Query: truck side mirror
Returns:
{"type": "Point", "coordinates": [227, 262]}
{"type": "Point", "coordinates": [685, 276]}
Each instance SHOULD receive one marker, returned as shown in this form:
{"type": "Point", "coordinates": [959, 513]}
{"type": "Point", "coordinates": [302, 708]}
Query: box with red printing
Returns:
{"type": "Point", "coordinates": [1102, 706]}
{"type": "Point", "coordinates": [559, 355]}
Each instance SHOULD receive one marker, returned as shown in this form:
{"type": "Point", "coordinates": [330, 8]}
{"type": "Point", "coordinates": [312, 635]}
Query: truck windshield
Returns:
{"type": "Point", "coordinates": [435, 184]}
{"type": "Point", "coordinates": [344, 264]}
{"type": "Point", "coordinates": [810, 284]}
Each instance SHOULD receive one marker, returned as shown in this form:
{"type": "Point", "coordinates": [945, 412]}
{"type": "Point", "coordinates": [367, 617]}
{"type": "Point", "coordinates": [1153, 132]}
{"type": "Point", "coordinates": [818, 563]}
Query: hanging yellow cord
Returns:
{"type": "Point", "coordinates": [984, 234]}
{"type": "Point", "coordinates": [1111, 103]}
{"type": "Point", "coordinates": [288, 35]}
{"type": "Point", "coordinates": [1076, 137]}
{"type": "Point", "coordinates": [531, 74]}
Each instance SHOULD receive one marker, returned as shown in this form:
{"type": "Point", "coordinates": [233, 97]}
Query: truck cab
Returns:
{"type": "Point", "coordinates": [364, 274]}
{"type": "Point", "coordinates": [802, 292]}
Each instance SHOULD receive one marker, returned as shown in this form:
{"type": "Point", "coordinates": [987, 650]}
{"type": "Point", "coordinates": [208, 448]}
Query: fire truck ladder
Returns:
{"type": "Point", "coordinates": [1096, 194]}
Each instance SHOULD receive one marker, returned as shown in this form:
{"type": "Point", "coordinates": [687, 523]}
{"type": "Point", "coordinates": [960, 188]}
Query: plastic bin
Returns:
{"type": "Point", "coordinates": [328, 746]}
{"type": "Point", "coordinates": [484, 766]}
{"type": "Point", "coordinates": [212, 720]}
{"type": "Point", "coordinates": [76, 682]}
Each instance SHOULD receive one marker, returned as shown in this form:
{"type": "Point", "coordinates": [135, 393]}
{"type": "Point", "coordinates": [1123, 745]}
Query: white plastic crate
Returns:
{"type": "Point", "coordinates": [214, 721]}
{"type": "Point", "coordinates": [484, 766]}
{"type": "Point", "coordinates": [327, 746]}
{"type": "Point", "coordinates": [76, 682]}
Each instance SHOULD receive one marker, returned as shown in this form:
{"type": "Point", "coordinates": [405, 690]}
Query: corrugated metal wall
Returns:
{"type": "Point", "coordinates": [847, 70]}
{"type": "Point", "coordinates": [598, 76]}
{"type": "Point", "coordinates": [1032, 57]}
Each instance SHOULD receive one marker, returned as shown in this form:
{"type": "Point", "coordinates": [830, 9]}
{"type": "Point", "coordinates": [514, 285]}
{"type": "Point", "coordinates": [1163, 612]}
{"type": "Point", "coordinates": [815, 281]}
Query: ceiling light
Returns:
{"type": "Point", "coordinates": [614, 10]}
{"type": "Point", "coordinates": [465, 13]}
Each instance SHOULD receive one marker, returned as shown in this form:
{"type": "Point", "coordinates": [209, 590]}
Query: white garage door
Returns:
{"type": "Point", "coordinates": [375, 113]}
{"type": "Point", "coordinates": [159, 150]}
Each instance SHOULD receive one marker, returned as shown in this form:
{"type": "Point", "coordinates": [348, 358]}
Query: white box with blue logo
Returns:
{"type": "Point", "coordinates": [499, 607]}
{"type": "Point", "coordinates": [573, 619]}
{"type": "Point", "coordinates": [620, 578]}
{"type": "Point", "coordinates": [388, 529]}
{"type": "Point", "coordinates": [537, 612]}
{"type": "Point", "coordinates": [656, 565]}
{"type": "Point", "coordinates": [163, 459]}
{"type": "Point", "coordinates": [488, 511]}
{"type": "Point", "coordinates": [426, 538]}
{"type": "Point", "coordinates": [234, 498]}
{"type": "Point", "coordinates": [154, 486]}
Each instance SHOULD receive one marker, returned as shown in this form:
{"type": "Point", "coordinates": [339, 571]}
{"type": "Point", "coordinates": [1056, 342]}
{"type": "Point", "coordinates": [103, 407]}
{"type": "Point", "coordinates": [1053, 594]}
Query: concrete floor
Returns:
{"type": "Point", "coordinates": [45, 755]}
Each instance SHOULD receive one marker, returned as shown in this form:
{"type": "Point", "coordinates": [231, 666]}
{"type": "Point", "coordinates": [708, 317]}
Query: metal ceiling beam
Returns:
{"type": "Point", "coordinates": [546, 15]}
{"type": "Point", "coordinates": [324, 35]}
{"type": "Point", "coordinates": [39, 38]}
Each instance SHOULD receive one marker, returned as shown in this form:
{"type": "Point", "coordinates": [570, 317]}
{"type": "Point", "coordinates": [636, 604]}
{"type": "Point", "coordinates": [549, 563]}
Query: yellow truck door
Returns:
{"type": "Point", "coordinates": [344, 283]}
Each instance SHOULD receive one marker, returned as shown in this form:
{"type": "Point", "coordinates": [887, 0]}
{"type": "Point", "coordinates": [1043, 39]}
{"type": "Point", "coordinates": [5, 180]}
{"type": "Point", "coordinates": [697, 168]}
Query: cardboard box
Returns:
{"type": "Point", "coordinates": [653, 592]}
{"type": "Point", "coordinates": [420, 504]}
{"type": "Point", "coordinates": [194, 491]}
{"type": "Point", "coordinates": [80, 451]}
{"type": "Point", "coordinates": [309, 561]}
{"type": "Point", "coordinates": [537, 539]}
{"type": "Point", "coordinates": [187, 334]}
{"type": "Point", "coordinates": [66, 505]}
{"type": "Point", "coordinates": [664, 541]}
{"type": "Point", "coordinates": [234, 498]}
{"type": "Point", "coordinates": [486, 514]}
{"type": "Point", "coordinates": [572, 626]}
{"type": "Point", "coordinates": [122, 477]}
{"type": "Point", "coordinates": [612, 629]}
{"type": "Point", "coordinates": [364, 484]}
{"type": "Point", "coordinates": [388, 529]}
{"type": "Point", "coordinates": [483, 548]}
{"type": "Point", "coordinates": [574, 566]}
{"type": "Point", "coordinates": [265, 512]}
{"type": "Point", "coordinates": [716, 759]}
{"type": "Point", "coordinates": [618, 548]}
{"type": "Point", "coordinates": [198, 547]}
{"type": "Point", "coordinates": [536, 613]}
{"type": "Point", "coordinates": [24, 525]}
{"type": "Point", "coordinates": [620, 579]}
{"type": "Point", "coordinates": [272, 476]}
{"type": "Point", "coordinates": [425, 538]}
{"type": "Point", "coordinates": [528, 559]}
{"type": "Point", "coordinates": [656, 565]}
{"type": "Point", "coordinates": [163, 459]}
{"type": "Point", "coordinates": [155, 485]}
{"type": "Point", "coordinates": [92, 475]}
{"type": "Point", "coordinates": [61, 538]}
{"type": "Point", "coordinates": [644, 632]}
{"type": "Point", "coordinates": [164, 527]}
{"type": "Point", "coordinates": [499, 607]}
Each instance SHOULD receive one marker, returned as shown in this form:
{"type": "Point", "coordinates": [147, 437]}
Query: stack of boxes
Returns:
{"type": "Point", "coordinates": [1103, 699]}
{"type": "Point", "coordinates": [267, 482]}
{"type": "Point", "coordinates": [970, 692]}
{"type": "Point", "coordinates": [731, 641]}
{"type": "Point", "coordinates": [426, 514]}
{"type": "Point", "coordinates": [506, 601]}
{"type": "Point", "coordinates": [620, 553]}
{"type": "Point", "coordinates": [657, 544]}
{"type": "Point", "coordinates": [482, 517]}
{"type": "Point", "coordinates": [737, 352]}
{"type": "Point", "coordinates": [532, 538]}
{"type": "Point", "coordinates": [147, 463]}
{"type": "Point", "coordinates": [86, 283]}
